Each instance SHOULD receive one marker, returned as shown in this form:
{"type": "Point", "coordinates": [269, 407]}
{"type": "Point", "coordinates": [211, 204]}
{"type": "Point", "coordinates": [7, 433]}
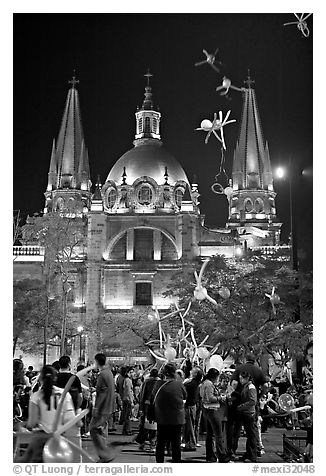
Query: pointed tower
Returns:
{"type": "Point", "coordinates": [252, 209]}
{"type": "Point", "coordinates": [69, 184]}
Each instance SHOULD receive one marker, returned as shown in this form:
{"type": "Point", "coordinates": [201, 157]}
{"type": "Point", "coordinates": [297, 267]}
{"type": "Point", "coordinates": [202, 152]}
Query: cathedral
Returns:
{"type": "Point", "coordinates": [144, 222]}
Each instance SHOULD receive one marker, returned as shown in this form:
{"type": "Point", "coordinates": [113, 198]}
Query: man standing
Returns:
{"type": "Point", "coordinates": [258, 379]}
{"type": "Point", "coordinates": [247, 413]}
{"type": "Point", "coordinates": [104, 404]}
{"type": "Point", "coordinates": [169, 397]}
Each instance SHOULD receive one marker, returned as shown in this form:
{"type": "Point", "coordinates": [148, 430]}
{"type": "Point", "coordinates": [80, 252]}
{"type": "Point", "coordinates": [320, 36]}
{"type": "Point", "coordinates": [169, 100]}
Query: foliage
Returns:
{"type": "Point", "coordinates": [30, 307]}
{"type": "Point", "coordinates": [62, 234]}
{"type": "Point", "coordinates": [245, 321]}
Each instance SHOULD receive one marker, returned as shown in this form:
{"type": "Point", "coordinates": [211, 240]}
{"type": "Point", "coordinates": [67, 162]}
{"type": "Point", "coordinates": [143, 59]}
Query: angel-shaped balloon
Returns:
{"type": "Point", "coordinates": [301, 23]}
{"type": "Point", "coordinates": [200, 292]}
{"type": "Point", "coordinates": [226, 84]}
{"type": "Point", "coordinates": [274, 299]}
{"type": "Point", "coordinates": [210, 60]}
{"type": "Point", "coordinates": [217, 125]}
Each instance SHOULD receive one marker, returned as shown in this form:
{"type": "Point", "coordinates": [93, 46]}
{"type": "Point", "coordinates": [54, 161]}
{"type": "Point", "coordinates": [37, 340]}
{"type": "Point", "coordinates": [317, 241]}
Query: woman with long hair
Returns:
{"type": "Point", "coordinates": [43, 406]}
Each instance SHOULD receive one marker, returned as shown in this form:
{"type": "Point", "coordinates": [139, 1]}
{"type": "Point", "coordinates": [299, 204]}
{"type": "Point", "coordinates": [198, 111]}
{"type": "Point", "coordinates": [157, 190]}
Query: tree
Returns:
{"type": "Point", "coordinates": [246, 321]}
{"type": "Point", "coordinates": [30, 308]}
{"type": "Point", "coordinates": [62, 233]}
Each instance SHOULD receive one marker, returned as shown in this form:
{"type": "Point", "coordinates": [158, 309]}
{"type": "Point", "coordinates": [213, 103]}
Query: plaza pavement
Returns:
{"type": "Point", "coordinates": [127, 451]}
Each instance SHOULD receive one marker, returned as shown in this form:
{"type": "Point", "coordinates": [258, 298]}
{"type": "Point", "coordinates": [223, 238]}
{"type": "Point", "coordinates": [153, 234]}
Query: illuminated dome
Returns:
{"type": "Point", "coordinates": [149, 158]}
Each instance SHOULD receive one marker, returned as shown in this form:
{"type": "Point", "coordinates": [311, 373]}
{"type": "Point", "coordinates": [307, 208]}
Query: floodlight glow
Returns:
{"type": "Point", "coordinates": [280, 172]}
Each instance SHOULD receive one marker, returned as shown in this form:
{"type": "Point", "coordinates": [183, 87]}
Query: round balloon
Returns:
{"type": "Point", "coordinates": [286, 402]}
{"type": "Point", "coordinates": [224, 292]}
{"type": "Point", "coordinates": [200, 294]}
{"type": "Point", "coordinates": [206, 124]}
{"type": "Point", "coordinates": [216, 362]}
{"type": "Point", "coordinates": [153, 317]}
{"type": "Point", "coordinates": [228, 191]}
{"type": "Point", "coordinates": [275, 299]}
{"type": "Point", "coordinates": [202, 352]}
{"type": "Point", "coordinates": [57, 450]}
{"type": "Point", "coordinates": [170, 353]}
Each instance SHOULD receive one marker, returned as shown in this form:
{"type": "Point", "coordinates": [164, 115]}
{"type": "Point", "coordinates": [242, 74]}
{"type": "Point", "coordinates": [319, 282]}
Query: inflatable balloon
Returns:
{"type": "Point", "coordinates": [216, 362]}
{"type": "Point", "coordinates": [275, 299]}
{"type": "Point", "coordinates": [170, 353]}
{"type": "Point", "coordinates": [228, 191]}
{"type": "Point", "coordinates": [224, 292]}
{"type": "Point", "coordinates": [57, 450]}
{"type": "Point", "coordinates": [206, 124]}
{"type": "Point", "coordinates": [202, 352]}
{"type": "Point", "coordinates": [286, 402]}
{"type": "Point", "coordinates": [153, 317]}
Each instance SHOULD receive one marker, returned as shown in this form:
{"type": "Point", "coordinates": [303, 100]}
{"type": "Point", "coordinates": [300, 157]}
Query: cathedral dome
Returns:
{"type": "Point", "coordinates": [148, 158]}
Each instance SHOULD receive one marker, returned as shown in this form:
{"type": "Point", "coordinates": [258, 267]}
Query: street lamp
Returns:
{"type": "Point", "coordinates": [281, 173]}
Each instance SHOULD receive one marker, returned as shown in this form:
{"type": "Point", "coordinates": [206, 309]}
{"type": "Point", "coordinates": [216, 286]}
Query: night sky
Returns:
{"type": "Point", "coordinates": [111, 53]}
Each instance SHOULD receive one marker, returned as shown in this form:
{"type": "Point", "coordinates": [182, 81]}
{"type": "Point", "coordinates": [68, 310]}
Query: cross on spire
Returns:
{"type": "Point", "coordinates": [249, 81]}
{"type": "Point", "coordinates": [148, 75]}
{"type": "Point", "coordinates": [74, 81]}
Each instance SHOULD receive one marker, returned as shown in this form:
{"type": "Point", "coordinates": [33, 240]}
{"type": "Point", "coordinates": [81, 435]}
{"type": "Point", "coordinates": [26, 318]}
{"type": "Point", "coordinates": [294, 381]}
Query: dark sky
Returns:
{"type": "Point", "coordinates": [111, 52]}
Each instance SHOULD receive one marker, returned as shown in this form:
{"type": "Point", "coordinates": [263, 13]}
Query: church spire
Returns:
{"type": "Point", "coordinates": [69, 165]}
{"type": "Point", "coordinates": [252, 201]}
{"type": "Point", "coordinates": [70, 141]}
{"type": "Point", "coordinates": [147, 119]}
{"type": "Point", "coordinates": [251, 164]}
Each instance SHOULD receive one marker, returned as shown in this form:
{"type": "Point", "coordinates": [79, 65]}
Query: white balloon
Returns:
{"type": "Point", "coordinates": [228, 191]}
{"type": "Point", "coordinates": [203, 353]}
{"type": "Point", "coordinates": [200, 293]}
{"type": "Point", "coordinates": [153, 317]}
{"type": "Point", "coordinates": [206, 124]}
{"type": "Point", "coordinates": [224, 292]}
{"type": "Point", "coordinates": [216, 362]}
{"type": "Point", "coordinates": [170, 353]}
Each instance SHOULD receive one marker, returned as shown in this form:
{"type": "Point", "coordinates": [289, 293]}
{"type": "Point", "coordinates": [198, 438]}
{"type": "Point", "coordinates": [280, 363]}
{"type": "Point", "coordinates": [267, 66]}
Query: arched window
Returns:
{"type": "Point", "coordinates": [112, 197]}
{"type": "Point", "coordinates": [178, 197]}
{"type": "Point", "coordinates": [60, 204]}
{"type": "Point", "coordinates": [145, 195]}
{"type": "Point", "coordinates": [248, 205]}
{"type": "Point", "coordinates": [259, 205]}
{"type": "Point", "coordinates": [147, 124]}
{"type": "Point", "coordinates": [140, 125]}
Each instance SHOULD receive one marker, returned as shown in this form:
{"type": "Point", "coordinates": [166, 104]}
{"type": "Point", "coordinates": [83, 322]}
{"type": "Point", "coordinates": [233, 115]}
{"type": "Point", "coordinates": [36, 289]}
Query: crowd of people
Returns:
{"type": "Point", "coordinates": [173, 406]}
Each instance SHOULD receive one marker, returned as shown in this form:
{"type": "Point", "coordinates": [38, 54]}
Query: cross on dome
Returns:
{"type": "Point", "coordinates": [148, 75]}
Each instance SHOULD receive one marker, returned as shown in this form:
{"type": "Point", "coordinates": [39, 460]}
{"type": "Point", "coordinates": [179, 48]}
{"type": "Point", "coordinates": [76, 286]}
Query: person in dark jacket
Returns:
{"type": "Point", "coordinates": [104, 405]}
{"type": "Point", "coordinates": [192, 388]}
{"type": "Point", "coordinates": [63, 377]}
{"type": "Point", "coordinates": [144, 401]}
{"type": "Point", "coordinates": [259, 379]}
{"type": "Point", "coordinates": [247, 413]}
{"type": "Point", "coordinates": [169, 396]}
